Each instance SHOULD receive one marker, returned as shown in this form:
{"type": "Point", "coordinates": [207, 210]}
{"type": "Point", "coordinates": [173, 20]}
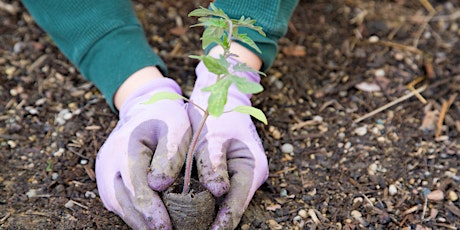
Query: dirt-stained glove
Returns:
{"type": "Point", "coordinates": [230, 158]}
{"type": "Point", "coordinates": [145, 152]}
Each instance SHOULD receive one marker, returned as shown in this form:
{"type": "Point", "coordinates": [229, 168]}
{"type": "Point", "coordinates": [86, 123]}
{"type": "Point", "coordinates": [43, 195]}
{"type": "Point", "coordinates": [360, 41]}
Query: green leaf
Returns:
{"type": "Point", "coordinates": [223, 61]}
{"type": "Point", "coordinates": [242, 67]}
{"type": "Point", "coordinates": [204, 12]}
{"type": "Point", "coordinates": [214, 66]}
{"type": "Point", "coordinates": [212, 34]}
{"type": "Point", "coordinates": [49, 166]}
{"type": "Point", "coordinates": [218, 12]}
{"type": "Point", "coordinates": [255, 112]}
{"type": "Point", "coordinates": [225, 44]}
{"type": "Point", "coordinates": [196, 57]}
{"type": "Point", "coordinates": [201, 12]}
{"type": "Point", "coordinates": [218, 97]}
{"type": "Point", "coordinates": [246, 86]}
{"type": "Point", "coordinates": [245, 39]}
{"type": "Point", "coordinates": [163, 96]}
{"type": "Point", "coordinates": [211, 22]}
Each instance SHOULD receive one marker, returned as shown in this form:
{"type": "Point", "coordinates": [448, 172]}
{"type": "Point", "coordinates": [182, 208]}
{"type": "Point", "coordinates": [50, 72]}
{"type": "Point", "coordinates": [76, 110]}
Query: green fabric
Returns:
{"type": "Point", "coordinates": [272, 15]}
{"type": "Point", "coordinates": [106, 42]}
{"type": "Point", "coordinates": [103, 39]}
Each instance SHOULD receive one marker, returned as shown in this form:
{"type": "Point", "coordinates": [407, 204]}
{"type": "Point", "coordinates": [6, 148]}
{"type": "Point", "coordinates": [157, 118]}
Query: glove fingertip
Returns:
{"type": "Point", "coordinates": [218, 188]}
{"type": "Point", "coordinates": [159, 182]}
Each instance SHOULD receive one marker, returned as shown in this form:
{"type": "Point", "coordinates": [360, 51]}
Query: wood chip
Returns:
{"type": "Point", "coordinates": [442, 114]}
{"type": "Point", "coordinates": [93, 127]}
{"type": "Point", "coordinates": [451, 206]}
{"type": "Point", "coordinates": [273, 207]}
{"type": "Point", "coordinates": [90, 172]}
{"type": "Point", "coordinates": [412, 209]}
{"type": "Point", "coordinates": [295, 51]}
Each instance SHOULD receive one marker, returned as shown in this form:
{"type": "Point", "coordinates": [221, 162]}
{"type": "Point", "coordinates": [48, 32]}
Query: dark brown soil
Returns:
{"type": "Point", "coordinates": [384, 172]}
{"type": "Point", "coordinates": [194, 210]}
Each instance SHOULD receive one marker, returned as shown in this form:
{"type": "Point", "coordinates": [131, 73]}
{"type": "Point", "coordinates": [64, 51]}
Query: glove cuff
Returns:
{"type": "Point", "coordinates": [206, 78]}
{"type": "Point", "coordinates": [143, 93]}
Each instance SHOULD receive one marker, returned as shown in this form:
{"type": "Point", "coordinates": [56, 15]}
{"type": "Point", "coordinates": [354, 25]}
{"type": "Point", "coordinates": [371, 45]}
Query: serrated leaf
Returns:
{"type": "Point", "coordinates": [201, 12]}
{"type": "Point", "coordinates": [196, 57]}
{"type": "Point", "coordinates": [255, 112]}
{"type": "Point", "coordinates": [245, 39]}
{"type": "Point", "coordinates": [225, 44]}
{"type": "Point", "coordinates": [163, 96]}
{"type": "Point", "coordinates": [217, 12]}
{"type": "Point", "coordinates": [216, 22]}
{"type": "Point", "coordinates": [218, 97]}
{"type": "Point", "coordinates": [246, 86]}
{"type": "Point", "coordinates": [242, 67]}
{"type": "Point", "coordinates": [212, 34]}
{"type": "Point", "coordinates": [214, 66]}
{"type": "Point", "coordinates": [223, 61]}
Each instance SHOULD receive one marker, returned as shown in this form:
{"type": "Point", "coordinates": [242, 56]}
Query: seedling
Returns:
{"type": "Point", "coordinates": [221, 30]}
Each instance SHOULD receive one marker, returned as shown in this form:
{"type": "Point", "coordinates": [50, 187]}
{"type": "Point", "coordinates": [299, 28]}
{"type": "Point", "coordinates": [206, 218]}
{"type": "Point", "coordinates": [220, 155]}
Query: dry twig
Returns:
{"type": "Point", "coordinates": [398, 100]}
{"type": "Point", "coordinates": [422, 28]}
{"type": "Point", "coordinates": [411, 87]}
{"type": "Point", "coordinates": [442, 114]}
{"type": "Point", "coordinates": [428, 6]}
{"type": "Point", "coordinates": [400, 46]}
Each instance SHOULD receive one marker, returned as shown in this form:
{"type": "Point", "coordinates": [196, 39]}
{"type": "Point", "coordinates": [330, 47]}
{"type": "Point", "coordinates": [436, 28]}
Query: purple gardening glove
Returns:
{"type": "Point", "coordinates": [145, 152]}
{"type": "Point", "coordinates": [230, 158]}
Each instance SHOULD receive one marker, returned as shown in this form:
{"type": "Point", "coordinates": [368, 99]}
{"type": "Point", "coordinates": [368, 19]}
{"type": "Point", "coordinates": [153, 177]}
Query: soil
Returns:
{"type": "Point", "coordinates": [338, 62]}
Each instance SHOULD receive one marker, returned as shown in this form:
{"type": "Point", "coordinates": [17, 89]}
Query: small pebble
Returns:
{"type": "Point", "coordinates": [399, 56]}
{"type": "Point", "coordinates": [373, 39]}
{"type": "Point", "coordinates": [435, 195]}
{"type": "Point", "coordinates": [89, 194]}
{"type": "Point", "coordinates": [283, 193]}
{"type": "Point", "coordinates": [359, 217]}
{"type": "Point", "coordinates": [392, 190]}
{"type": "Point", "coordinates": [452, 196]}
{"type": "Point", "coordinates": [245, 227]}
{"type": "Point", "coordinates": [372, 169]}
{"type": "Point", "coordinates": [287, 148]}
{"type": "Point", "coordinates": [341, 135]}
{"type": "Point", "coordinates": [358, 200]}
{"type": "Point", "coordinates": [361, 131]}
{"type": "Point", "coordinates": [356, 214]}
{"type": "Point", "coordinates": [379, 73]}
{"type": "Point", "coordinates": [69, 204]}
{"type": "Point", "coordinates": [297, 218]}
{"type": "Point", "coordinates": [54, 176]}
{"type": "Point", "coordinates": [318, 118]}
{"type": "Point", "coordinates": [31, 193]}
{"type": "Point", "coordinates": [59, 152]}
{"type": "Point", "coordinates": [303, 213]}
{"type": "Point", "coordinates": [273, 224]}
{"type": "Point", "coordinates": [12, 144]}
{"type": "Point", "coordinates": [83, 161]}
{"type": "Point", "coordinates": [276, 134]}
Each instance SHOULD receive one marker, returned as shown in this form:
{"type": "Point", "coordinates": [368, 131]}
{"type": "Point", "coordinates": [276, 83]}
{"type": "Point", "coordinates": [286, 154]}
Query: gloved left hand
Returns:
{"type": "Point", "coordinates": [231, 161]}
{"type": "Point", "coordinates": [145, 152]}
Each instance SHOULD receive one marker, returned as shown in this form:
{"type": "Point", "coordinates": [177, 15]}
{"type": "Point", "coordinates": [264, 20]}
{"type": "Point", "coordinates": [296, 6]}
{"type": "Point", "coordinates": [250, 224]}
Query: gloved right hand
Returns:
{"type": "Point", "coordinates": [143, 154]}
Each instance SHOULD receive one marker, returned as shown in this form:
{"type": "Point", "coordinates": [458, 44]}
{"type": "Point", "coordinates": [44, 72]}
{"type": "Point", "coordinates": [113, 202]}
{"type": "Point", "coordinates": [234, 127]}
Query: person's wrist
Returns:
{"type": "Point", "coordinates": [244, 55]}
{"type": "Point", "coordinates": [133, 82]}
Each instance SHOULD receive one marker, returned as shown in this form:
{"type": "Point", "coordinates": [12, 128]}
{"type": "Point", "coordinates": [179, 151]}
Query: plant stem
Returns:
{"type": "Point", "coordinates": [190, 153]}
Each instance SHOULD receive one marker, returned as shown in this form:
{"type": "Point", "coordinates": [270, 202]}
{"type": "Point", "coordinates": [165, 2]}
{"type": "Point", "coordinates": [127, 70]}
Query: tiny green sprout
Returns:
{"type": "Point", "coordinates": [221, 30]}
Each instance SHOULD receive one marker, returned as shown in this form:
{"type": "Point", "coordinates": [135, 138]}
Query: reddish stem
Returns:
{"type": "Point", "coordinates": [190, 153]}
